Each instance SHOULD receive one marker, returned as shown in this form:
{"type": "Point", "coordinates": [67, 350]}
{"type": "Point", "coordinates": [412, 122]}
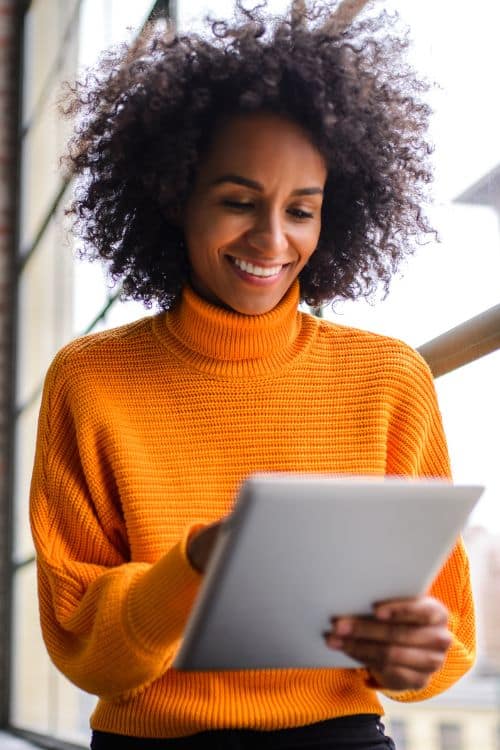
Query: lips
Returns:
{"type": "Point", "coordinates": [263, 272]}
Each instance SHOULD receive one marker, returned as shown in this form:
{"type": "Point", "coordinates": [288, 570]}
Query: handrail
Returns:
{"type": "Point", "coordinates": [344, 15]}
{"type": "Point", "coordinates": [463, 344]}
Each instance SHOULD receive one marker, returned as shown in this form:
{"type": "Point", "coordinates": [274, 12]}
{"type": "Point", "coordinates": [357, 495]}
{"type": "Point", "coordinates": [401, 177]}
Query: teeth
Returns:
{"type": "Point", "coordinates": [256, 270]}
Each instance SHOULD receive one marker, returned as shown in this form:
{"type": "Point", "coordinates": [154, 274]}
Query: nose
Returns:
{"type": "Point", "coordinates": [268, 233]}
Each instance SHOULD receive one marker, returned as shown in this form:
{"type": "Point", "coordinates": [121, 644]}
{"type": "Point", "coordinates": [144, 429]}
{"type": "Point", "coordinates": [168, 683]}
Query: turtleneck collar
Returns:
{"type": "Point", "coordinates": [224, 342]}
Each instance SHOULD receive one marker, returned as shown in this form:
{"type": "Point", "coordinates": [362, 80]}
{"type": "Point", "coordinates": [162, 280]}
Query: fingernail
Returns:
{"type": "Point", "coordinates": [343, 627]}
{"type": "Point", "coordinates": [383, 614]}
{"type": "Point", "coordinates": [334, 642]}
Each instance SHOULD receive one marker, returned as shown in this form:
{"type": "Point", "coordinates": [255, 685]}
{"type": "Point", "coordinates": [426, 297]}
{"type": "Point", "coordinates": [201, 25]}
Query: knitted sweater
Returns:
{"type": "Point", "coordinates": [145, 432]}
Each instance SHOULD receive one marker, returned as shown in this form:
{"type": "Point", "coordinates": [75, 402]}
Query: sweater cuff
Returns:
{"type": "Point", "coordinates": [160, 599]}
{"type": "Point", "coordinates": [458, 662]}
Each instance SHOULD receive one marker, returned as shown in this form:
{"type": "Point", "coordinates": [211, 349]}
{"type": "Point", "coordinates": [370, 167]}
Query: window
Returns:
{"type": "Point", "coordinates": [399, 733]}
{"type": "Point", "coordinates": [450, 736]}
{"type": "Point", "coordinates": [54, 305]}
{"type": "Point", "coordinates": [444, 285]}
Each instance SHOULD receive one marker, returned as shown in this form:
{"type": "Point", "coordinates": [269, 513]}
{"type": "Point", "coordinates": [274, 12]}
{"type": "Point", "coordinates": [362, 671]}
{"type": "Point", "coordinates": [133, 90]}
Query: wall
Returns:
{"type": "Point", "coordinates": [9, 12]}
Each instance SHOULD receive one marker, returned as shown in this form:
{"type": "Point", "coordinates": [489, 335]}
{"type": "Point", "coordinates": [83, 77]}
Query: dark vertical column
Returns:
{"type": "Point", "coordinates": [10, 25]}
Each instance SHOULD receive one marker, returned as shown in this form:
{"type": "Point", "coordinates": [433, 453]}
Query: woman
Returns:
{"type": "Point", "coordinates": [225, 180]}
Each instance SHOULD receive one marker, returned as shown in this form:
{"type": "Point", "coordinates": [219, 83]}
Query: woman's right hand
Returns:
{"type": "Point", "coordinates": [201, 544]}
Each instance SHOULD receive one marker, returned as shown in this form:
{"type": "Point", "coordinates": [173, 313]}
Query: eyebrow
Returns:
{"type": "Point", "coordinates": [253, 185]}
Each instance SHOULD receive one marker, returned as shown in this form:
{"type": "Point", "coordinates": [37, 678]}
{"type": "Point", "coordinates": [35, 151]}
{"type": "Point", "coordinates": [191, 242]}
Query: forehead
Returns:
{"type": "Point", "coordinates": [263, 145]}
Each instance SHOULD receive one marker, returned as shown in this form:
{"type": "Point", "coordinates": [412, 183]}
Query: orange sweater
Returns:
{"type": "Point", "coordinates": [146, 431]}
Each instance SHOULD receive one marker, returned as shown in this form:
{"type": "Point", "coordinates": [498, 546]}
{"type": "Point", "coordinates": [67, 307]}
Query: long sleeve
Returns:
{"type": "Point", "coordinates": [145, 433]}
{"type": "Point", "coordinates": [452, 585]}
{"type": "Point", "coordinates": [110, 625]}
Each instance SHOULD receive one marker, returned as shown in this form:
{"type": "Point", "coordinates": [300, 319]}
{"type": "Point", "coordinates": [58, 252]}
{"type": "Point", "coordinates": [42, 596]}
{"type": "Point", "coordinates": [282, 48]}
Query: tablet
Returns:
{"type": "Point", "coordinates": [298, 550]}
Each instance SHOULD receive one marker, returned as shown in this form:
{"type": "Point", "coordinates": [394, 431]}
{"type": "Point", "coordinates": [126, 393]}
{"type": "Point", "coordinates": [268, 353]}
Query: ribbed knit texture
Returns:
{"type": "Point", "coordinates": [147, 431]}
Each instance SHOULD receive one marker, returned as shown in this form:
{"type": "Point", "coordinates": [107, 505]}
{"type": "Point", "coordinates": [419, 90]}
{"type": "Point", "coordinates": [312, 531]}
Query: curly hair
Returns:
{"type": "Point", "coordinates": [146, 115]}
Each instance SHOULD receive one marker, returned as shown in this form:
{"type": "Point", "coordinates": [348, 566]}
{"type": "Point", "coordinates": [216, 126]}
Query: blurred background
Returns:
{"type": "Point", "coordinates": [48, 297]}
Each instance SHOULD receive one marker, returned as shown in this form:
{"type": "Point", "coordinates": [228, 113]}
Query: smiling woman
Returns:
{"type": "Point", "coordinates": [169, 97]}
{"type": "Point", "coordinates": [225, 179]}
{"type": "Point", "coordinates": [253, 219]}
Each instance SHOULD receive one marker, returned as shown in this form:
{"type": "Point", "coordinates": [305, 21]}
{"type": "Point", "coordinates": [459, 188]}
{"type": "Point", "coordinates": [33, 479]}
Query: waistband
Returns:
{"type": "Point", "coordinates": [363, 731]}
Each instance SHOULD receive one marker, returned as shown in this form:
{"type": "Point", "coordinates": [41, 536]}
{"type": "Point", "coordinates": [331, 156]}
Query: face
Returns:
{"type": "Point", "coordinates": [254, 216]}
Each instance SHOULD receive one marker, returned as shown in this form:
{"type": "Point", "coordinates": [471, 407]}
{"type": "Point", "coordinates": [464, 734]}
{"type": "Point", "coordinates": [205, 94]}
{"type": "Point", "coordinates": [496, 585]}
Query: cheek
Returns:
{"type": "Point", "coordinates": [307, 241]}
{"type": "Point", "coordinates": [211, 231]}
{"type": "Point", "coordinates": [204, 243]}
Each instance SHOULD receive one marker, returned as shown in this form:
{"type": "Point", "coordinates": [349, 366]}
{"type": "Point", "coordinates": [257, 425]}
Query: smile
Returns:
{"type": "Point", "coordinates": [254, 270]}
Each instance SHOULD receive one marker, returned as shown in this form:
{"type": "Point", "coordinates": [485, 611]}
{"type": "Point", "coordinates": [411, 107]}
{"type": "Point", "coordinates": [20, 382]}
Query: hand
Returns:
{"type": "Point", "coordinates": [401, 646]}
{"type": "Point", "coordinates": [201, 544]}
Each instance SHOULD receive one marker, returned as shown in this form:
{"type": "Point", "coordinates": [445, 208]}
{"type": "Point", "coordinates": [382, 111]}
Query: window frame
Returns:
{"type": "Point", "coordinates": [472, 339]}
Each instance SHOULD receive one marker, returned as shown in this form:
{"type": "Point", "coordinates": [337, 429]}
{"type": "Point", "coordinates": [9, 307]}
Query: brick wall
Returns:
{"type": "Point", "coordinates": [9, 66]}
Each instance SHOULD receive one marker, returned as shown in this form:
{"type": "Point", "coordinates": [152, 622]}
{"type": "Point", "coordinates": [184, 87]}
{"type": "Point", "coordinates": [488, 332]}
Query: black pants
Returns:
{"type": "Point", "coordinates": [360, 732]}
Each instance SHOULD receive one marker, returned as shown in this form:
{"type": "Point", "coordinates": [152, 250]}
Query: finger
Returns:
{"type": "Point", "coordinates": [389, 659]}
{"type": "Point", "coordinates": [434, 637]}
{"type": "Point", "coordinates": [400, 679]}
{"type": "Point", "coordinates": [423, 610]}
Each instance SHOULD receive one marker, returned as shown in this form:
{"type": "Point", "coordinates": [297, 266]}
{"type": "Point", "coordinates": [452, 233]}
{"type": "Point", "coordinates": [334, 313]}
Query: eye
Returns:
{"type": "Point", "coordinates": [299, 213]}
{"type": "Point", "coordinates": [237, 205]}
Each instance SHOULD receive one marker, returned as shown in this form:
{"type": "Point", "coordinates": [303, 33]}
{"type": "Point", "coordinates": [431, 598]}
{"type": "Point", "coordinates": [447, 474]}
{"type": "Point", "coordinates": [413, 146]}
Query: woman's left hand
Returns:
{"type": "Point", "coordinates": [401, 646]}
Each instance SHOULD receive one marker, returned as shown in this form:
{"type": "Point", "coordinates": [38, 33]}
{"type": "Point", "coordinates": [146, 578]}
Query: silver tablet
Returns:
{"type": "Point", "coordinates": [298, 550]}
